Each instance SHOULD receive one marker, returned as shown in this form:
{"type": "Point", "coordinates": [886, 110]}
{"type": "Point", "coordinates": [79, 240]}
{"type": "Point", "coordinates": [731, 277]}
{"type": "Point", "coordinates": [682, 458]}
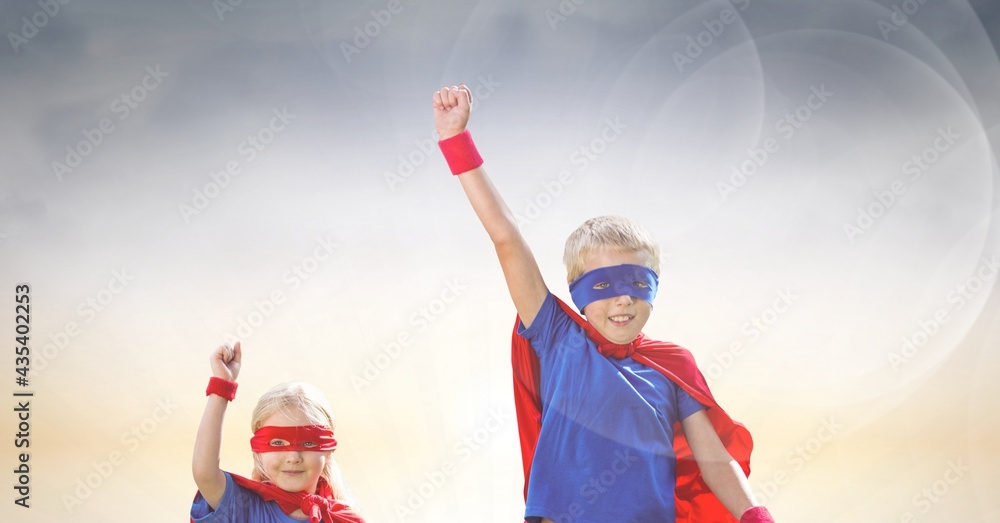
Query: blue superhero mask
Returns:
{"type": "Point", "coordinates": [616, 280]}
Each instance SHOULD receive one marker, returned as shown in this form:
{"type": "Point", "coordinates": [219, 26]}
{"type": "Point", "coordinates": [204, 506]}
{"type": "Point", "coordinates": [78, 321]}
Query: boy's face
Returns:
{"type": "Point", "coordinates": [618, 319]}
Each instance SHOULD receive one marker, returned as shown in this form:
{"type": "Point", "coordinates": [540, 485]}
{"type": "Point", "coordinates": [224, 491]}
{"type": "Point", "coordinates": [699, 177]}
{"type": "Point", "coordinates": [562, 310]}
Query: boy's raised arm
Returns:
{"type": "Point", "coordinates": [524, 280]}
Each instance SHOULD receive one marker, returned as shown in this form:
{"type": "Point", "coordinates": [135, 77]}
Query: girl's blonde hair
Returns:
{"type": "Point", "coordinates": [302, 397]}
{"type": "Point", "coordinates": [614, 232]}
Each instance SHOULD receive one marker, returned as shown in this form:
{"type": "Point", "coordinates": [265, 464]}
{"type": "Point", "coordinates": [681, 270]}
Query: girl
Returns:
{"type": "Point", "coordinates": [295, 477]}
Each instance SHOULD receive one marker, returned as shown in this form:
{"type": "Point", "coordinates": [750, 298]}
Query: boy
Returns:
{"type": "Point", "coordinates": [597, 401]}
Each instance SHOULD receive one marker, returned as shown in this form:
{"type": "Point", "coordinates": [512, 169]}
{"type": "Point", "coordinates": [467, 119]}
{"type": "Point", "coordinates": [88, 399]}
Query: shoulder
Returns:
{"type": "Point", "coordinates": [238, 503]}
{"type": "Point", "coordinates": [201, 511]}
{"type": "Point", "coordinates": [666, 349]}
{"type": "Point", "coordinates": [678, 364]}
{"type": "Point", "coordinates": [553, 311]}
{"type": "Point", "coordinates": [555, 329]}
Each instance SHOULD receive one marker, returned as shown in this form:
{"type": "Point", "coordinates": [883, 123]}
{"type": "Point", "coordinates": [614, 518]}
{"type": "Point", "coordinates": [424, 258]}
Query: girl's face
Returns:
{"type": "Point", "coordinates": [292, 470]}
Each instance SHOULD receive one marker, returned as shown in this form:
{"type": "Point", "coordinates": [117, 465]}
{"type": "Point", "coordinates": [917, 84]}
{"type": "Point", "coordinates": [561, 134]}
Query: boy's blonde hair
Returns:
{"type": "Point", "coordinates": [302, 397]}
{"type": "Point", "coordinates": [614, 232]}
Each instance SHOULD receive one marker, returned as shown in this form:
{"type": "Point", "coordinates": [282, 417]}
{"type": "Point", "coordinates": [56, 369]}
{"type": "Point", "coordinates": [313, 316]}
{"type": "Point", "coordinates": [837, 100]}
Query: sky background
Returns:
{"type": "Point", "coordinates": [821, 177]}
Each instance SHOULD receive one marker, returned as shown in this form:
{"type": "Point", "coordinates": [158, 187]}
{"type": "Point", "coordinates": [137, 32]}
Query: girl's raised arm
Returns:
{"type": "Point", "coordinates": [211, 481]}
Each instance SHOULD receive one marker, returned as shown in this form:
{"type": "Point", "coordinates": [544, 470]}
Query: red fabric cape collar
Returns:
{"type": "Point", "coordinates": [319, 506]}
{"type": "Point", "coordinates": [694, 500]}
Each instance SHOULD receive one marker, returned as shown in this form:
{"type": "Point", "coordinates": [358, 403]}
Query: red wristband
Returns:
{"type": "Point", "coordinates": [460, 152]}
{"type": "Point", "coordinates": [756, 515]}
{"type": "Point", "coordinates": [221, 387]}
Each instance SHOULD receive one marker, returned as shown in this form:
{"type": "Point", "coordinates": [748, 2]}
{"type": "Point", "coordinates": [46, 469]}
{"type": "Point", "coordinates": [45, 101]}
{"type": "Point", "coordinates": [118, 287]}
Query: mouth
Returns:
{"type": "Point", "coordinates": [293, 473]}
{"type": "Point", "coordinates": [620, 320]}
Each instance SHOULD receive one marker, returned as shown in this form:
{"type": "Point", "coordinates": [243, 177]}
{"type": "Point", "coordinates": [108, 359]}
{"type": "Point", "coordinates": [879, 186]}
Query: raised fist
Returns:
{"type": "Point", "coordinates": [225, 361]}
{"type": "Point", "coordinates": [451, 110]}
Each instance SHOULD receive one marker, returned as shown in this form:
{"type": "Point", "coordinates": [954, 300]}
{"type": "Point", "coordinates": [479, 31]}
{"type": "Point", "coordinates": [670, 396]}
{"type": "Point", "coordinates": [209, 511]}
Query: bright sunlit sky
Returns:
{"type": "Point", "coordinates": [821, 177]}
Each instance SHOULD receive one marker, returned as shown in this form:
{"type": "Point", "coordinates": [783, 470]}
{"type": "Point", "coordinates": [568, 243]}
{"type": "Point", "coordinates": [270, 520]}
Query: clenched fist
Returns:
{"type": "Point", "coordinates": [451, 110]}
{"type": "Point", "coordinates": [226, 361]}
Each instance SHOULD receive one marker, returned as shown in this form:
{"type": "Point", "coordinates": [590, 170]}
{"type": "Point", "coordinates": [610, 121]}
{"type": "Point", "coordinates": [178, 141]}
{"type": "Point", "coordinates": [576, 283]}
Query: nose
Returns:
{"type": "Point", "coordinates": [293, 456]}
{"type": "Point", "coordinates": [624, 299]}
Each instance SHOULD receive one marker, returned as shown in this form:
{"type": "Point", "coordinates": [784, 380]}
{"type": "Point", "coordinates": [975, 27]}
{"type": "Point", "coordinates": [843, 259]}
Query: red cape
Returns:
{"type": "Point", "coordinates": [694, 500]}
{"type": "Point", "coordinates": [321, 505]}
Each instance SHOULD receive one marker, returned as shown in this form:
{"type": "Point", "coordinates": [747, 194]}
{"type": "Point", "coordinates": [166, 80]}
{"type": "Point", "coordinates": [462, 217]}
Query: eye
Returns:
{"type": "Point", "coordinates": [278, 443]}
{"type": "Point", "coordinates": [641, 284]}
{"type": "Point", "coordinates": [602, 285]}
{"type": "Point", "coordinates": [309, 444]}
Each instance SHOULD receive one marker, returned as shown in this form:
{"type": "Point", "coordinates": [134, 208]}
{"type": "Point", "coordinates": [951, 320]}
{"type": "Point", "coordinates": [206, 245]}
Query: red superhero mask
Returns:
{"type": "Point", "coordinates": [321, 506]}
{"type": "Point", "coordinates": [311, 438]}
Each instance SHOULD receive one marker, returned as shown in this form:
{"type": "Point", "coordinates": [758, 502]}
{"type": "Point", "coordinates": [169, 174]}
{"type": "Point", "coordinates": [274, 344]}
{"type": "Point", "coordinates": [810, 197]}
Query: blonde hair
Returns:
{"type": "Point", "coordinates": [299, 397]}
{"type": "Point", "coordinates": [614, 232]}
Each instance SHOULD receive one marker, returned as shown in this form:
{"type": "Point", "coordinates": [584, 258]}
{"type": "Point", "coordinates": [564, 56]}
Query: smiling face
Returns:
{"type": "Point", "coordinates": [619, 319]}
{"type": "Point", "coordinates": [292, 470]}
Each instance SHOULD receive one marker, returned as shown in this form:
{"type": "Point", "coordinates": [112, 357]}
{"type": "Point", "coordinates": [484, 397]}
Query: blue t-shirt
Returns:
{"type": "Point", "coordinates": [605, 450]}
{"type": "Point", "coordinates": [239, 505]}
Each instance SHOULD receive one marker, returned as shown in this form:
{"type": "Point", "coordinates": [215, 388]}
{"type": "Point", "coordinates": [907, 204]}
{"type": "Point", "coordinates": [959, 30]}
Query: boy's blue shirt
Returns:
{"type": "Point", "coordinates": [605, 449]}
